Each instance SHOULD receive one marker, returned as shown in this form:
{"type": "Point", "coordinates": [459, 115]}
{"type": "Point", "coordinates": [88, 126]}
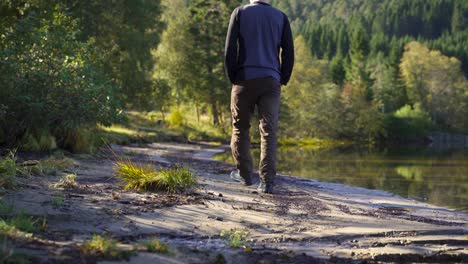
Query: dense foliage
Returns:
{"type": "Point", "coordinates": [67, 66]}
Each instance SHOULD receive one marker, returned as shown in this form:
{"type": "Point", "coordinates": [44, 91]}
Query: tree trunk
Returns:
{"type": "Point", "coordinates": [198, 113]}
{"type": "Point", "coordinates": [214, 112]}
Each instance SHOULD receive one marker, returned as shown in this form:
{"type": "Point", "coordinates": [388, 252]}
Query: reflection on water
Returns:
{"type": "Point", "coordinates": [437, 177]}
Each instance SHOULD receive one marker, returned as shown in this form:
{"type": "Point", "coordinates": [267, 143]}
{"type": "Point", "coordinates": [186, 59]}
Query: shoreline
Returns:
{"type": "Point", "coordinates": [306, 221]}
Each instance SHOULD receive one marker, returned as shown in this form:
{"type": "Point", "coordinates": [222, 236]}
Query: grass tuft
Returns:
{"type": "Point", "coordinates": [8, 171]}
{"type": "Point", "coordinates": [145, 177]}
{"type": "Point", "coordinates": [156, 246]}
{"type": "Point", "coordinates": [235, 238]}
{"type": "Point", "coordinates": [58, 201]}
{"type": "Point", "coordinates": [9, 256]}
{"type": "Point", "coordinates": [104, 247]}
{"type": "Point", "coordinates": [68, 181]}
{"type": "Point", "coordinates": [19, 225]}
{"type": "Point", "coordinates": [50, 166]}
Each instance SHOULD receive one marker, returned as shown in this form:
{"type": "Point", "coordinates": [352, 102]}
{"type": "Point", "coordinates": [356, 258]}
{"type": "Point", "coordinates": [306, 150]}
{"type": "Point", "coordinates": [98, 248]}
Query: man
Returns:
{"type": "Point", "coordinates": [255, 36]}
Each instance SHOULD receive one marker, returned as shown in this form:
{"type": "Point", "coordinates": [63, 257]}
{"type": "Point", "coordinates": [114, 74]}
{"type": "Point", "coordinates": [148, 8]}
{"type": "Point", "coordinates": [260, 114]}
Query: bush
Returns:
{"type": "Point", "coordinates": [176, 119]}
{"type": "Point", "coordinates": [409, 123]}
{"type": "Point", "coordinates": [79, 141]}
{"type": "Point", "coordinates": [52, 81]}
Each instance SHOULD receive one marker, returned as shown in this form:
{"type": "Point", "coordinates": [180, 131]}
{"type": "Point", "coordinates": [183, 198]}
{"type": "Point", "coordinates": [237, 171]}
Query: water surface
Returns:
{"type": "Point", "coordinates": [435, 176]}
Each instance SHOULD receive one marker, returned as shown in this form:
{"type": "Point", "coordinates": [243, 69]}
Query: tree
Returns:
{"type": "Point", "coordinates": [437, 83]}
{"type": "Point", "coordinates": [125, 32]}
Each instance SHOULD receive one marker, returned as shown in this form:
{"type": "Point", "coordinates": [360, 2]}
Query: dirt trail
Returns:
{"type": "Point", "coordinates": [306, 221]}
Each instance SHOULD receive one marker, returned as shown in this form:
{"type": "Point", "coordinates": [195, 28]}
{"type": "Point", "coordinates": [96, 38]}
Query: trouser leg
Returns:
{"type": "Point", "coordinates": [242, 107]}
{"type": "Point", "coordinates": [268, 110]}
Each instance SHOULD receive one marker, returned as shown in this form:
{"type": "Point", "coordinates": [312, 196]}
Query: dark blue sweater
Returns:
{"type": "Point", "coordinates": [255, 36]}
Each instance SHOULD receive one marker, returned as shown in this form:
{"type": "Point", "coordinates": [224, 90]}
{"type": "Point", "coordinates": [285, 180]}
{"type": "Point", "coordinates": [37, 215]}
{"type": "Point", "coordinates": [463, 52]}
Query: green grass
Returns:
{"type": "Point", "coordinates": [312, 143]}
{"type": "Point", "coordinates": [68, 181]}
{"type": "Point", "coordinates": [50, 166]}
{"type": "Point", "coordinates": [145, 177]}
{"type": "Point", "coordinates": [20, 224]}
{"type": "Point", "coordinates": [8, 171]}
{"type": "Point", "coordinates": [104, 247]}
{"type": "Point", "coordinates": [58, 201]}
{"type": "Point", "coordinates": [144, 128]}
{"type": "Point", "coordinates": [236, 238]}
{"type": "Point", "coordinates": [9, 256]}
{"type": "Point", "coordinates": [156, 246]}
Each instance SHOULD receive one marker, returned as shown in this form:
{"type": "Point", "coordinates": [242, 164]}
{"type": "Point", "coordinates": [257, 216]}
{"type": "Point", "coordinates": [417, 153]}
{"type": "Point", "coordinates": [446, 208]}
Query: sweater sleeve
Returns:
{"type": "Point", "coordinates": [287, 52]}
{"type": "Point", "coordinates": [231, 47]}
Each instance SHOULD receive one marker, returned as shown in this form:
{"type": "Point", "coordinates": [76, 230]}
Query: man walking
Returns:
{"type": "Point", "coordinates": [257, 35]}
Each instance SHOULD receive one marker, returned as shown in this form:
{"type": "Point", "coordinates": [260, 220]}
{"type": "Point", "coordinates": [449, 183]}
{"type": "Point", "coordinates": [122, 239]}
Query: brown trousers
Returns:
{"type": "Point", "coordinates": [265, 94]}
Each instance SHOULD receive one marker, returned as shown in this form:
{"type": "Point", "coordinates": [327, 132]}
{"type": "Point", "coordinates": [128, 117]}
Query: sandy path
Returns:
{"type": "Point", "coordinates": [306, 221]}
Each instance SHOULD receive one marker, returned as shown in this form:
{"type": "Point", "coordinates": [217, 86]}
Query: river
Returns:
{"type": "Point", "coordinates": [435, 176]}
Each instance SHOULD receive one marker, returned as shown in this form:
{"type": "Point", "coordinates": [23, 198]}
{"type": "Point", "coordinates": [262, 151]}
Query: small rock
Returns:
{"type": "Point", "coordinates": [220, 195]}
{"type": "Point", "coordinates": [217, 218]}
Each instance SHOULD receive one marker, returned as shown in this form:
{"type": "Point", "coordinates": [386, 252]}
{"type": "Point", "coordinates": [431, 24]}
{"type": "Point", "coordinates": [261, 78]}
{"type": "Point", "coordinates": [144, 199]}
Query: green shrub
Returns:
{"type": "Point", "coordinates": [146, 178]}
{"type": "Point", "coordinates": [409, 122]}
{"type": "Point", "coordinates": [46, 142]}
{"type": "Point", "coordinates": [79, 141]}
{"type": "Point", "coordinates": [176, 119]}
{"type": "Point", "coordinates": [51, 78]}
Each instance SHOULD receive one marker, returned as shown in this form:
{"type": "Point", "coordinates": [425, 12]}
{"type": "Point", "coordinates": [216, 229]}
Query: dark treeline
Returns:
{"type": "Point", "coordinates": [387, 24]}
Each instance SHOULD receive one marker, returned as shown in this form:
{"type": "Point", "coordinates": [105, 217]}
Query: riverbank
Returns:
{"type": "Point", "coordinates": [306, 221]}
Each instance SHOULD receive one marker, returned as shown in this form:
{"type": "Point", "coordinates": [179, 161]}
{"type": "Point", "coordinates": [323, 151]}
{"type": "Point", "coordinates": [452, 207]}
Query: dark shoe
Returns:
{"type": "Point", "coordinates": [236, 177]}
{"type": "Point", "coordinates": [265, 187]}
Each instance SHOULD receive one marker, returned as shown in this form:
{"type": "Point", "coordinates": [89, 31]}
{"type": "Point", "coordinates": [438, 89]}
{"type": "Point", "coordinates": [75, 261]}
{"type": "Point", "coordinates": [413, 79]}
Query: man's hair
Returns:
{"type": "Point", "coordinates": [266, 1]}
